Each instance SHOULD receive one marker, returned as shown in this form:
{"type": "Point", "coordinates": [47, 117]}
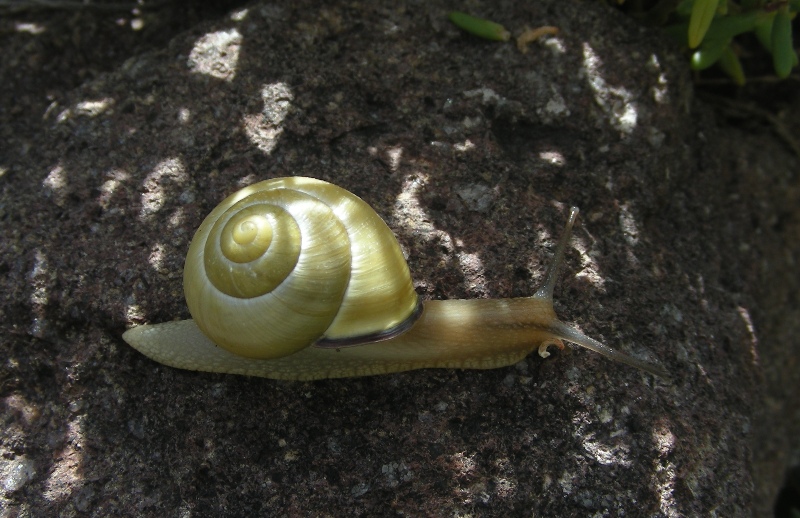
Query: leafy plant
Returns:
{"type": "Point", "coordinates": [710, 26]}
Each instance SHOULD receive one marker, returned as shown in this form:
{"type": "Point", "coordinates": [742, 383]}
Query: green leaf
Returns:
{"type": "Point", "coordinates": [703, 12]}
{"type": "Point", "coordinates": [709, 53]}
{"type": "Point", "coordinates": [783, 55]}
{"type": "Point", "coordinates": [730, 26]}
{"type": "Point", "coordinates": [729, 62]}
{"type": "Point", "coordinates": [763, 31]}
{"type": "Point", "coordinates": [479, 27]}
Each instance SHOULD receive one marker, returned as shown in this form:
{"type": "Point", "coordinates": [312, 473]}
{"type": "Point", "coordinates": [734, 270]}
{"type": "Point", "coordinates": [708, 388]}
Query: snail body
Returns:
{"type": "Point", "coordinates": [296, 278]}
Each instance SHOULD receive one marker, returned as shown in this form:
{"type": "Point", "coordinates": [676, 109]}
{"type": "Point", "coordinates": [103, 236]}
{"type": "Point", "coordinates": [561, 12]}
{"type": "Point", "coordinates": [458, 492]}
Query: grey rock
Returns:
{"type": "Point", "coordinates": [394, 103]}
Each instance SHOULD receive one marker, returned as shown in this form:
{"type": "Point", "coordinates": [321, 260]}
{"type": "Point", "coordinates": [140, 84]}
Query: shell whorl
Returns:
{"type": "Point", "coordinates": [284, 263]}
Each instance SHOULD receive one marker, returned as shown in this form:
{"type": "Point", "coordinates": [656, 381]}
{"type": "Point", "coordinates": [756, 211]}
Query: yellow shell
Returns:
{"type": "Point", "coordinates": [284, 263]}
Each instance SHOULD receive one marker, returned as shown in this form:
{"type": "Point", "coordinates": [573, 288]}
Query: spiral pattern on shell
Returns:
{"type": "Point", "coordinates": [284, 263]}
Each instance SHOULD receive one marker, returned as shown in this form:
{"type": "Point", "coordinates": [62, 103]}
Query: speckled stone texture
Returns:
{"type": "Point", "coordinates": [471, 151]}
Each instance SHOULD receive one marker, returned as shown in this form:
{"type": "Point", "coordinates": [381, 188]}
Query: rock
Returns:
{"type": "Point", "coordinates": [468, 149]}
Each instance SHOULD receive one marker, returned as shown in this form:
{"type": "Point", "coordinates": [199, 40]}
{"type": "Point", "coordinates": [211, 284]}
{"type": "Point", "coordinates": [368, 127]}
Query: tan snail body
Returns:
{"type": "Point", "coordinates": [296, 278]}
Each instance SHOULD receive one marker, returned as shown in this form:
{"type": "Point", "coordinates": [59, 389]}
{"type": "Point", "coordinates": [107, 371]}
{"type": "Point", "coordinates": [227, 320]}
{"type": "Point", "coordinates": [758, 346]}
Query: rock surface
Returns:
{"type": "Point", "coordinates": [471, 151]}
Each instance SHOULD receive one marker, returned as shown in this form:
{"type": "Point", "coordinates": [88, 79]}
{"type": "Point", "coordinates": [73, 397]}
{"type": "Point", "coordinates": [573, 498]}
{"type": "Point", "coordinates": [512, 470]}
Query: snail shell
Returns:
{"type": "Point", "coordinates": [288, 262]}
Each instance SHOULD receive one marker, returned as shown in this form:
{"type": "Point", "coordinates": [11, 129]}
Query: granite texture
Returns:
{"type": "Point", "coordinates": [471, 151]}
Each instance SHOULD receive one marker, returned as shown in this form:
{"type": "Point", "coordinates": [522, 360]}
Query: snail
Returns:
{"type": "Point", "coordinates": [296, 278]}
